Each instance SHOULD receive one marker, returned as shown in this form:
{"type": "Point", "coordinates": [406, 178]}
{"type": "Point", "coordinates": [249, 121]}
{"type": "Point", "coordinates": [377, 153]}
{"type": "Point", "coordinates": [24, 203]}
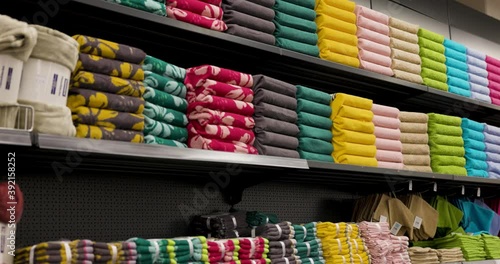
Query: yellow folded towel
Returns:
{"type": "Point", "coordinates": [353, 136]}
{"type": "Point", "coordinates": [341, 148]}
{"type": "Point", "coordinates": [336, 230]}
{"type": "Point", "coordinates": [414, 78]}
{"type": "Point", "coordinates": [360, 258]}
{"type": "Point", "coordinates": [357, 246]}
{"type": "Point", "coordinates": [324, 8]}
{"type": "Point", "coordinates": [404, 45]}
{"type": "Point", "coordinates": [338, 36]}
{"type": "Point", "coordinates": [403, 35]}
{"type": "Point", "coordinates": [325, 21]}
{"type": "Point", "coordinates": [355, 160]}
{"type": "Point", "coordinates": [339, 48]}
{"type": "Point", "coordinates": [340, 99]}
{"type": "Point", "coordinates": [403, 25]}
{"type": "Point", "coordinates": [342, 123]}
{"type": "Point", "coordinates": [339, 58]}
{"type": "Point", "coordinates": [406, 66]}
{"type": "Point", "coordinates": [342, 4]}
{"type": "Point", "coordinates": [406, 56]}
{"type": "Point", "coordinates": [335, 246]}
{"type": "Point", "coordinates": [355, 113]}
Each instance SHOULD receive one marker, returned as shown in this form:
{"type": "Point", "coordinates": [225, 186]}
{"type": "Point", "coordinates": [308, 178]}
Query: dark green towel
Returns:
{"type": "Point", "coordinates": [297, 46]}
{"type": "Point", "coordinates": [308, 106]}
{"type": "Point", "coordinates": [313, 95]}
{"type": "Point", "coordinates": [149, 139]}
{"type": "Point", "coordinates": [295, 10]}
{"type": "Point", "coordinates": [314, 120]}
{"type": "Point", "coordinates": [317, 133]}
{"type": "Point", "coordinates": [311, 4]}
{"type": "Point", "coordinates": [295, 22]}
{"type": "Point", "coordinates": [315, 146]}
{"type": "Point", "coordinates": [313, 156]}
{"type": "Point", "coordinates": [296, 35]}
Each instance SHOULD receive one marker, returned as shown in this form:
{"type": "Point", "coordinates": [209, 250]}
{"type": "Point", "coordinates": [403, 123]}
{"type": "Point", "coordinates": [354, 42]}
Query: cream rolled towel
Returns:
{"type": "Point", "coordinates": [407, 127]}
{"type": "Point", "coordinates": [17, 38]}
{"type": "Point", "coordinates": [416, 160]}
{"type": "Point", "coordinates": [403, 35]}
{"type": "Point", "coordinates": [407, 76]}
{"type": "Point", "coordinates": [52, 119]}
{"type": "Point", "coordinates": [416, 149]}
{"type": "Point", "coordinates": [55, 46]}
{"type": "Point", "coordinates": [413, 117]}
{"type": "Point", "coordinates": [406, 56]}
{"type": "Point", "coordinates": [406, 66]}
{"type": "Point", "coordinates": [404, 45]}
{"type": "Point", "coordinates": [403, 25]}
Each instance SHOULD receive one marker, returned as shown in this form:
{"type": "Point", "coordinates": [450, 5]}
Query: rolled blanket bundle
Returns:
{"type": "Point", "coordinates": [58, 252]}
{"type": "Point", "coordinates": [207, 14]}
{"type": "Point", "coordinates": [457, 69]}
{"type": "Point", "coordinates": [219, 225]}
{"type": "Point", "coordinates": [432, 48]}
{"type": "Point", "coordinates": [388, 134]}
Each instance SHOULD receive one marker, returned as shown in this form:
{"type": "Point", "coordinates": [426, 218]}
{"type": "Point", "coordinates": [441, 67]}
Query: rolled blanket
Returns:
{"type": "Point", "coordinates": [150, 6]}
{"type": "Point", "coordinates": [163, 68]}
{"type": "Point", "coordinates": [206, 116]}
{"type": "Point", "coordinates": [104, 133]}
{"type": "Point", "coordinates": [195, 19]}
{"type": "Point", "coordinates": [197, 7]}
{"type": "Point", "coordinates": [165, 115]}
{"type": "Point", "coordinates": [163, 130]}
{"type": "Point", "coordinates": [249, 33]}
{"type": "Point", "coordinates": [153, 140]}
{"type": "Point", "coordinates": [166, 100]}
{"type": "Point", "coordinates": [17, 39]}
{"type": "Point", "coordinates": [275, 112]}
{"type": "Point", "coordinates": [248, 21]}
{"type": "Point", "coordinates": [109, 50]}
{"type": "Point", "coordinates": [108, 84]}
{"type": "Point", "coordinates": [165, 84]}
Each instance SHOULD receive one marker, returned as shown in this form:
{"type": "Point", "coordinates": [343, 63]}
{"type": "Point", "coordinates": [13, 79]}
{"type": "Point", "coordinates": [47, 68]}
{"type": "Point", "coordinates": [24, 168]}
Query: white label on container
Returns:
{"type": "Point", "coordinates": [417, 223]}
{"type": "Point", "coordinates": [395, 228]}
{"type": "Point", "coordinates": [1, 76]}
{"type": "Point", "coordinates": [54, 84]}
{"type": "Point", "coordinates": [383, 219]}
{"type": "Point", "coordinates": [9, 78]}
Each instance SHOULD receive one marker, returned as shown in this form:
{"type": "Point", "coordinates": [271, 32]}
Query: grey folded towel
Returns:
{"type": "Point", "coordinates": [275, 85]}
{"type": "Point", "coordinates": [276, 126]}
{"type": "Point", "coordinates": [55, 46]}
{"type": "Point", "coordinates": [275, 151]}
{"type": "Point", "coordinates": [266, 3]}
{"type": "Point", "coordinates": [249, 33]}
{"type": "Point", "coordinates": [17, 38]}
{"type": "Point", "coordinates": [250, 8]}
{"type": "Point", "coordinates": [275, 112]}
{"type": "Point", "coordinates": [273, 98]}
{"type": "Point", "coordinates": [276, 140]}
{"type": "Point", "coordinates": [255, 23]}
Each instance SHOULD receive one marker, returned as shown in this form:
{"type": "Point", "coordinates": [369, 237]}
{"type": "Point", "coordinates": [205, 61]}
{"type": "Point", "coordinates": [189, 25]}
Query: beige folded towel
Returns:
{"type": "Point", "coordinates": [8, 115]}
{"type": "Point", "coordinates": [407, 127]}
{"type": "Point", "coordinates": [414, 138]}
{"type": "Point", "coordinates": [418, 168]}
{"type": "Point", "coordinates": [416, 149]}
{"type": "Point", "coordinates": [403, 35]}
{"type": "Point", "coordinates": [55, 46]}
{"type": "Point", "coordinates": [404, 45]}
{"type": "Point", "coordinates": [414, 78]}
{"type": "Point", "coordinates": [406, 56]}
{"type": "Point", "coordinates": [52, 119]}
{"type": "Point", "coordinates": [403, 25]}
{"type": "Point", "coordinates": [406, 66]}
{"type": "Point", "coordinates": [413, 117]}
{"type": "Point", "coordinates": [417, 160]}
{"type": "Point", "coordinates": [17, 39]}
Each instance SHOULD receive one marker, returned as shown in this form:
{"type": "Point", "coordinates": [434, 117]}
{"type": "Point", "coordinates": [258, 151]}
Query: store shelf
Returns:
{"type": "Point", "coordinates": [15, 137]}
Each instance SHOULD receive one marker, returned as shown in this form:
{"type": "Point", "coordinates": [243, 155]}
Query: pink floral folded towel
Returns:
{"type": "Point", "coordinates": [198, 7]}
{"type": "Point", "coordinates": [223, 104]}
{"type": "Point", "coordinates": [206, 116]}
{"type": "Point", "coordinates": [194, 75]}
{"type": "Point", "coordinates": [225, 133]}
{"type": "Point", "coordinates": [211, 87]}
{"type": "Point", "coordinates": [195, 19]}
{"type": "Point", "coordinates": [199, 142]}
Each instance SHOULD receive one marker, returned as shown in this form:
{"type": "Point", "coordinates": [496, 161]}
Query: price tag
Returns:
{"type": "Point", "coordinates": [417, 223]}
{"type": "Point", "coordinates": [478, 192]}
{"type": "Point", "coordinates": [383, 219]}
{"type": "Point", "coordinates": [395, 228]}
{"type": "Point", "coordinates": [435, 189]}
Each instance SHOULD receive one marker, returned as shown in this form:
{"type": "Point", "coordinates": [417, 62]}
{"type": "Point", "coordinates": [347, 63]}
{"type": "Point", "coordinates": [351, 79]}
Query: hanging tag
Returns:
{"type": "Point", "coordinates": [417, 223]}
{"type": "Point", "coordinates": [410, 185]}
{"type": "Point", "coordinates": [435, 188]}
{"type": "Point", "coordinates": [395, 228]}
{"type": "Point", "coordinates": [383, 219]}
{"type": "Point", "coordinates": [479, 192]}
{"type": "Point", "coordinates": [463, 190]}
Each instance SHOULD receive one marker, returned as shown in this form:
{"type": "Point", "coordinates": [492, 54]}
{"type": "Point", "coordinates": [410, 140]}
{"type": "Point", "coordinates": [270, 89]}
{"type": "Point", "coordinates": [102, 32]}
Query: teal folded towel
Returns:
{"type": "Point", "coordinates": [304, 105]}
{"type": "Point", "coordinates": [295, 22]}
{"type": "Point", "coordinates": [454, 81]}
{"type": "Point", "coordinates": [317, 133]}
{"type": "Point", "coordinates": [314, 156]}
{"type": "Point", "coordinates": [449, 53]}
{"type": "Point", "coordinates": [313, 95]}
{"type": "Point", "coordinates": [295, 10]}
{"type": "Point", "coordinates": [315, 146]}
{"type": "Point", "coordinates": [313, 120]}
{"type": "Point", "coordinates": [477, 173]}
{"type": "Point", "coordinates": [457, 73]}
{"type": "Point", "coordinates": [477, 164]}
{"type": "Point", "coordinates": [472, 134]}
{"type": "Point", "coordinates": [459, 91]}
{"type": "Point", "coordinates": [471, 124]}
{"type": "Point", "coordinates": [474, 144]}
{"type": "Point", "coordinates": [296, 35]}
{"type": "Point", "coordinates": [451, 62]}
{"type": "Point", "coordinates": [311, 4]}
{"type": "Point", "coordinates": [455, 46]}
{"type": "Point", "coordinates": [296, 46]}
{"type": "Point", "coordinates": [475, 154]}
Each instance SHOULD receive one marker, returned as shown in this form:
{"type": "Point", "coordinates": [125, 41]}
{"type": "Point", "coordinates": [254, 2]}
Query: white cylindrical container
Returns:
{"type": "Point", "coordinates": [44, 82]}
{"type": "Point", "coordinates": [7, 243]}
{"type": "Point", "coordinates": [11, 70]}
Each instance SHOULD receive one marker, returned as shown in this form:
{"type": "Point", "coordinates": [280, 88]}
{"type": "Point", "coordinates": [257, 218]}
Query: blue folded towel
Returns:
{"type": "Point", "coordinates": [493, 167]}
{"type": "Point", "coordinates": [458, 90]}
{"type": "Point", "coordinates": [494, 157]}
{"type": "Point", "coordinates": [489, 147]}
{"type": "Point", "coordinates": [480, 96]}
{"type": "Point", "coordinates": [472, 144]}
{"type": "Point", "coordinates": [460, 56]}
{"type": "Point", "coordinates": [448, 43]}
{"type": "Point", "coordinates": [493, 130]}
{"type": "Point", "coordinates": [491, 138]}
{"type": "Point", "coordinates": [476, 154]}
{"type": "Point", "coordinates": [477, 71]}
{"type": "Point", "coordinates": [451, 62]}
{"type": "Point", "coordinates": [474, 87]}
{"type": "Point", "coordinates": [459, 83]}
{"type": "Point", "coordinates": [477, 164]}
{"type": "Point", "coordinates": [480, 63]}
{"type": "Point", "coordinates": [472, 134]}
{"type": "Point", "coordinates": [478, 80]}
{"type": "Point", "coordinates": [477, 173]}
{"type": "Point", "coordinates": [493, 175]}
{"type": "Point", "coordinates": [450, 71]}
{"type": "Point", "coordinates": [476, 54]}
{"type": "Point", "coordinates": [473, 125]}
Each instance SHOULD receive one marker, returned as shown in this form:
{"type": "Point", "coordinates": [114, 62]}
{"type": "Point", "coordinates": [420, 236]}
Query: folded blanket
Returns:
{"type": "Point", "coordinates": [276, 140]}
{"type": "Point", "coordinates": [458, 83]}
{"type": "Point", "coordinates": [347, 148]}
{"type": "Point", "coordinates": [220, 89]}
{"type": "Point", "coordinates": [276, 126]}
{"type": "Point", "coordinates": [325, 21]}
{"type": "Point", "coordinates": [195, 19]}
{"type": "Point", "coordinates": [105, 133]}
{"type": "Point", "coordinates": [339, 58]}
{"type": "Point", "coordinates": [266, 3]}
{"type": "Point", "coordinates": [197, 7]}
{"type": "Point", "coordinates": [476, 154]}
{"type": "Point", "coordinates": [422, 32]}
{"type": "Point", "coordinates": [273, 98]}
{"type": "Point", "coordinates": [295, 35]}
{"type": "Point", "coordinates": [444, 119]}
{"type": "Point", "coordinates": [387, 122]}
{"type": "Point", "coordinates": [446, 150]}
{"type": "Point", "coordinates": [224, 104]}
{"type": "Point", "coordinates": [403, 35]}
{"type": "Point", "coordinates": [107, 118]}
{"type": "Point", "coordinates": [249, 33]}
{"type": "Point", "coordinates": [163, 68]}
{"type": "Point", "coordinates": [449, 53]}
{"type": "Point", "coordinates": [311, 107]}
{"type": "Point", "coordinates": [276, 151]}
{"type": "Point", "coordinates": [386, 111]}
{"type": "Point", "coordinates": [313, 132]}
{"type": "Point", "coordinates": [480, 96]}
{"type": "Point", "coordinates": [294, 10]}
{"type": "Point", "coordinates": [476, 54]}
{"type": "Point", "coordinates": [166, 100]}
{"type": "Point", "coordinates": [163, 130]}
{"type": "Point", "coordinates": [314, 121]}
{"type": "Point", "coordinates": [482, 89]}
{"type": "Point", "coordinates": [92, 63]}
{"type": "Point", "coordinates": [165, 84]}
{"type": "Point", "coordinates": [248, 21]}
{"type": "Point", "coordinates": [387, 133]}
{"type": "Point", "coordinates": [407, 127]}
{"type": "Point", "coordinates": [418, 168]}
{"type": "Point", "coordinates": [17, 39]}
{"type": "Point", "coordinates": [294, 22]}
{"type": "Point", "coordinates": [198, 142]}
{"type": "Point", "coordinates": [224, 133]}
{"type": "Point", "coordinates": [403, 45]}
{"type": "Point", "coordinates": [403, 25]}
{"type": "Point", "coordinates": [109, 50]}
{"type": "Point", "coordinates": [275, 112]}
{"type": "Point", "coordinates": [317, 146]}
{"type": "Point", "coordinates": [297, 46]}
{"type": "Point", "coordinates": [165, 115]}
{"type": "Point", "coordinates": [370, 66]}
{"type": "Point", "coordinates": [95, 99]}
{"type": "Point", "coordinates": [491, 60]}
{"type": "Point", "coordinates": [341, 99]}
{"type": "Point", "coordinates": [447, 140]}
{"type": "Point", "coordinates": [150, 6]}
{"type": "Point", "coordinates": [206, 116]}
{"type": "Point", "coordinates": [355, 114]}
{"type": "Point", "coordinates": [195, 75]}
{"type": "Point", "coordinates": [413, 117]}
{"type": "Point", "coordinates": [454, 170]}
{"type": "Point", "coordinates": [161, 141]}
{"type": "Point", "coordinates": [456, 73]}
{"type": "Point", "coordinates": [314, 156]}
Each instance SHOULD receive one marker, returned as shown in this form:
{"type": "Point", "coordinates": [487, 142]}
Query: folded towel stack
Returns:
{"type": "Point", "coordinates": [315, 137]}
{"type": "Point", "coordinates": [227, 95]}
{"type": "Point", "coordinates": [281, 250]}
{"type": "Point", "coordinates": [406, 62]}
{"type": "Point", "coordinates": [456, 68]}
{"type": "Point", "coordinates": [121, 252]}
{"type": "Point", "coordinates": [151, 6]}
{"type": "Point", "coordinates": [451, 255]}
{"type": "Point", "coordinates": [166, 105]}
{"type": "Point", "coordinates": [388, 137]}
{"type": "Point", "coordinates": [203, 13]}
{"type": "Point", "coordinates": [373, 40]}
{"type": "Point", "coordinates": [493, 68]}
{"type": "Point", "coordinates": [78, 251]}
{"type": "Point", "coordinates": [492, 142]}
{"type": "Point", "coordinates": [253, 250]}
{"type": "Point", "coordinates": [295, 27]}
{"type": "Point", "coordinates": [308, 248]}
{"type": "Point", "coordinates": [281, 242]}
{"type": "Point", "coordinates": [337, 29]}
{"type": "Point", "coordinates": [341, 243]}
{"type": "Point", "coordinates": [353, 130]}
{"type": "Point", "coordinates": [252, 19]}
{"type": "Point", "coordinates": [176, 250]}
{"type": "Point", "coordinates": [223, 250]}
{"type": "Point", "coordinates": [275, 117]}
{"type": "Point", "coordinates": [378, 241]}
{"type": "Point", "coordinates": [106, 94]}
{"type": "Point", "coordinates": [306, 232]}
{"type": "Point", "coordinates": [414, 138]}
{"type": "Point", "coordinates": [478, 75]}
{"type": "Point", "coordinates": [223, 225]}
{"type": "Point", "coordinates": [472, 246]}
{"type": "Point", "coordinates": [491, 246]}
{"type": "Point", "coordinates": [399, 249]}
{"type": "Point", "coordinates": [276, 232]}
{"type": "Point", "coordinates": [446, 144]}
{"type": "Point", "coordinates": [432, 53]}
{"type": "Point", "coordinates": [420, 255]}
{"type": "Point", "coordinates": [475, 156]}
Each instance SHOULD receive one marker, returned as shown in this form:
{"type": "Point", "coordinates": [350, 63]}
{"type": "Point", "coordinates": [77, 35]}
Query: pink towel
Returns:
{"type": "Point", "coordinates": [383, 110]}
{"type": "Point", "coordinates": [494, 86]}
{"type": "Point", "coordinates": [364, 44]}
{"type": "Point", "coordinates": [493, 69]}
{"type": "Point", "coordinates": [493, 77]}
{"type": "Point", "coordinates": [225, 133]}
{"type": "Point", "coordinates": [195, 19]}
{"type": "Point", "coordinates": [495, 101]}
{"type": "Point", "coordinates": [195, 75]}
{"type": "Point", "coordinates": [387, 133]}
{"type": "Point", "coordinates": [372, 25]}
{"type": "Point", "coordinates": [211, 87]}
{"type": "Point", "coordinates": [371, 14]}
{"type": "Point", "coordinates": [384, 121]}
{"type": "Point", "coordinates": [390, 165]}
{"type": "Point", "coordinates": [388, 144]}
{"type": "Point", "coordinates": [206, 116]}
{"type": "Point", "coordinates": [198, 142]}
{"type": "Point", "coordinates": [389, 156]}
{"type": "Point", "coordinates": [375, 58]}
{"type": "Point", "coordinates": [491, 60]}
{"type": "Point", "coordinates": [366, 65]}
{"type": "Point", "coordinates": [494, 94]}
{"type": "Point", "coordinates": [197, 7]}
{"type": "Point", "coordinates": [373, 36]}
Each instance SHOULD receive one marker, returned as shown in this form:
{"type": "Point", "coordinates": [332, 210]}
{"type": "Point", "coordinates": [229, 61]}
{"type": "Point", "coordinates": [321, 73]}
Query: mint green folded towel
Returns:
{"type": "Point", "coordinates": [446, 150]}
{"type": "Point", "coordinates": [440, 160]}
{"type": "Point", "coordinates": [314, 156]}
{"type": "Point", "coordinates": [314, 121]}
{"type": "Point", "coordinates": [311, 4]}
{"type": "Point", "coordinates": [454, 170]}
{"type": "Point", "coordinates": [295, 22]}
{"type": "Point", "coordinates": [435, 84]}
{"type": "Point", "coordinates": [424, 33]}
{"type": "Point", "coordinates": [295, 10]}
{"type": "Point", "coordinates": [149, 139]}
{"type": "Point", "coordinates": [434, 75]}
{"type": "Point", "coordinates": [313, 132]}
{"type": "Point", "coordinates": [298, 46]}
{"type": "Point", "coordinates": [432, 45]}
{"type": "Point", "coordinates": [447, 140]}
{"type": "Point", "coordinates": [296, 35]}
{"type": "Point", "coordinates": [311, 107]}
{"type": "Point", "coordinates": [315, 146]}
{"type": "Point", "coordinates": [430, 54]}
{"type": "Point", "coordinates": [444, 119]}
{"type": "Point", "coordinates": [433, 65]}
{"type": "Point", "coordinates": [313, 95]}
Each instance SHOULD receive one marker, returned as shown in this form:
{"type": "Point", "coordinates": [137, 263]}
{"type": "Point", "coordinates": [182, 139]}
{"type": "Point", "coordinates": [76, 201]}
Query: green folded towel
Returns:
{"type": "Point", "coordinates": [296, 35]}
{"type": "Point", "coordinates": [440, 160]}
{"type": "Point", "coordinates": [433, 65]}
{"type": "Point", "coordinates": [430, 54]}
{"type": "Point", "coordinates": [150, 6]}
{"type": "Point", "coordinates": [446, 150]}
{"type": "Point", "coordinates": [434, 75]}
{"type": "Point", "coordinates": [317, 133]}
{"type": "Point", "coordinates": [149, 139]}
{"type": "Point", "coordinates": [315, 146]}
{"type": "Point", "coordinates": [440, 129]}
{"type": "Point", "coordinates": [164, 68]}
{"type": "Point", "coordinates": [256, 218]}
{"type": "Point", "coordinates": [165, 84]}
{"type": "Point", "coordinates": [295, 22]}
{"type": "Point", "coordinates": [436, 84]}
{"type": "Point", "coordinates": [432, 45]}
{"type": "Point", "coordinates": [313, 95]}
{"type": "Point", "coordinates": [163, 130]}
{"type": "Point", "coordinates": [424, 33]}
{"type": "Point", "coordinates": [296, 46]}
{"type": "Point", "coordinates": [311, 4]}
{"type": "Point", "coordinates": [314, 121]}
{"type": "Point", "coordinates": [165, 115]}
{"type": "Point", "coordinates": [454, 170]}
{"type": "Point", "coordinates": [295, 10]}
{"type": "Point", "coordinates": [313, 156]}
{"type": "Point", "coordinates": [447, 140]}
{"type": "Point", "coordinates": [166, 100]}
{"type": "Point", "coordinates": [445, 120]}
{"type": "Point", "coordinates": [308, 106]}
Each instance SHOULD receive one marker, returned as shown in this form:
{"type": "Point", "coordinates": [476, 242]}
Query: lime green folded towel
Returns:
{"type": "Point", "coordinates": [440, 129]}
{"type": "Point", "coordinates": [446, 150]}
{"type": "Point", "coordinates": [433, 65]}
{"type": "Point", "coordinates": [430, 54]}
{"type": "Point", "coordinates": [440, 160]}
{"type": "Point", "coordinates": [424, 33]}
{"type": "Point", "coordinates": [434, 75]}
{"type": "Point", "coordinates": [432, 45]}
{"type": "Point", "coordinates": [445, 120]}
{"type": "Point", "coordinates": [447, 140]}
{"type": "Point", "coordinates": [435, 84]}
{"type": "Point", "coordinates": [454, 170]}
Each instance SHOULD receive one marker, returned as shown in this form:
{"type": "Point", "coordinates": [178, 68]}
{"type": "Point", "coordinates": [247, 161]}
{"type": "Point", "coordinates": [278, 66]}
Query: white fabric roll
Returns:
{"type": "Point", "coordinates": [17, 38]}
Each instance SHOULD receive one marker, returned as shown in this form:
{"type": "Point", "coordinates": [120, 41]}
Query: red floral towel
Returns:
{"type": "Point", "coordinates": [223, 104]}
{"type": "Point", "coordinates": [225, 133]}
{"type": "Point", "coordinates": [205, 116]}
{"type": "Point", "coordinates": [198, 7]}
{"type": "Point", "coordinates": [195, 19]}
{"type": "Point", "coordinates": [214, 2]}
{"type": "Point", "coordinates": [211, 87]}
{"type": "Point", "coordinates": [199, 142]}
{"type": "Point", "coordinates": [195, 75]}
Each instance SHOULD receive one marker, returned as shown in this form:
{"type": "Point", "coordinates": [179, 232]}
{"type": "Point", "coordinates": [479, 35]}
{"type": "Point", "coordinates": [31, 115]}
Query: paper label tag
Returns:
{"type": "Point", "coordinates": [383, 219]}
{"type": "Point", "coordinates": [417, 223]}
{"type": "Point", "coordinates": [395, 228]}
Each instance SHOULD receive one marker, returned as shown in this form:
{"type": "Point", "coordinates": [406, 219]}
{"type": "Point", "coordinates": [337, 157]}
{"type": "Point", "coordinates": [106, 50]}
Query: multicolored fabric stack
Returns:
{"type": "Point", "coordinates": [433, 59]}
{"type": "Point", "coordinates": [406, 62]}
{"type": "Point", "coordinates": [166, 105]}
{"type": "Point", "coordinates": [192, 250]}
{"type": "Point", "coordinates": [223, 250]}
{"type": "Point", "coordinates": [106, 94]}
{"type": "Point", "coordinates": [206, 13]}
{"type": "Point", "coordinates": [478, 75]}
{"type": "Point", "coordinates": [225, 93]}
{"type": "Point", "coordinates": [281, 242]}
{"type": "Point", "coordinates": [254, 250]}
{"type": "Point", "coordinates": [78, 251]}
{"type": "Point", "coordinates": [151, 6]}
{"type": "Point", "coordinates": [388, 137]}
{"type": "Point", "coordinates": [119, 252]}
{"type": "Point", "coordinates": [456, 68]}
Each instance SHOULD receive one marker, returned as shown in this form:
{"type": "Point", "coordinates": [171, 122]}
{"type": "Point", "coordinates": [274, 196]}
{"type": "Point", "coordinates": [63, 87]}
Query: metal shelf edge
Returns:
{"type": "Point", "coordinates": [15, 137]}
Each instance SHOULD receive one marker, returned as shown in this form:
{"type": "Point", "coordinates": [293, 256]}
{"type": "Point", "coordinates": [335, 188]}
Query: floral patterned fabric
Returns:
{"type": "Point", "coordinates": [95, 99]}
{"type": "Point", "coordinates": [107, 118]}
{"type": "Point", "coordinates": [199, 142]}
{"type": "Point", "coordinates": [196, 75]}
{"type": "Point", "coordinates": [165, 131]}
{"type": "Point", "coordinates": [149, 139]}
{"type": "Point", "coordinates": [106, 133]}
{"type": "Point", "coordinates": [195, 19]}
{"type": "Point", "coordinates": [109, 49]}
{"type": "Point", "coordinates": [165, 84]}
{"type": "Point", "coordinates": [165, 115]}
{"type": "Point", "coordinates": [223, 104]}
{"type": "Point", "coordinates": [206, 116]}
{"type": "Point", "coordinates": [108, 84]}
{"type": "Point", "coordinates": [150, 6]}
{"type": "Point", "coordinates": [197, 7]}
{"type": "Point", "coordinates": [224, 133]}
{"type": "Point", "coordinates": [163, 68]}
{"type": "Point", "coordinates": [166, 100]}
{"type": "Point", "coordinates": [211, 87]}
{"type": "Point", "coordinates": [92, 63]}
